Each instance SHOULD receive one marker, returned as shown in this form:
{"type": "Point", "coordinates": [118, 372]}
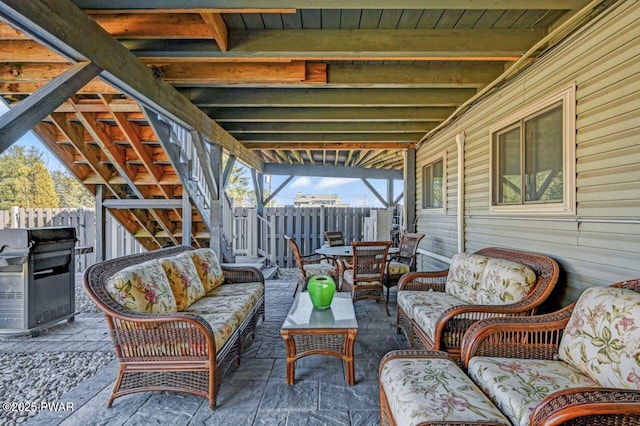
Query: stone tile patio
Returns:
{"type": "Point", "coordinates": [254, 393]}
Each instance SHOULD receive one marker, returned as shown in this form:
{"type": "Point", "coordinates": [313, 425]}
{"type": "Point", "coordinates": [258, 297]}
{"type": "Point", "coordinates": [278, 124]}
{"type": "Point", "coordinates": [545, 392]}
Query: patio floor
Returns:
{"type": "Point", "coordinates": [254, 393]}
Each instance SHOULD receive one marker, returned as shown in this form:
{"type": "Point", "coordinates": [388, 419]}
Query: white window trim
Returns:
{"type": "Point", "coordinates": [440, 210]}
{"type": "Point", "coordinates": [568, 206]}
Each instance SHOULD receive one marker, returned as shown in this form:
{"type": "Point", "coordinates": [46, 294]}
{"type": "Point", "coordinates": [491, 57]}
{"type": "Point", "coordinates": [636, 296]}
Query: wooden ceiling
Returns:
{"type": "Point", "coordinates": [289, 82]}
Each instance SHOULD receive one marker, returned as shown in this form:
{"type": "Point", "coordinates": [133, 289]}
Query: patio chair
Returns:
{"type": "Point", "coordinates": [402, 262]}
{"type": "Point", "coordinates": [366, 277]}
{"type": "Point", "coordinates": [334, 238]}
{"type": "Point", "coordinates": [310, 266]}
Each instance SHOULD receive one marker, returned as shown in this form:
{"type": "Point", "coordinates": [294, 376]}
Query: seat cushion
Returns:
{"type": "Point", "coordinates": [517, 386]}
{"type": "Point", "coordinates": [223, 324]}
{"type": "Point", "coordinates": [253, 290]}
{"type": "Point", "coordinates": [313, 269]}
{"type": "Point", "coordinates": [433, 389]}
{"type": "Point", "coordinates": [426, 315]}
{"type": "Point", "coordinates": [183, 278]}
{"type": "Point", "coordinates": [504, 282]}
{"type": "Point", "coordinates": [602, 338]}
{"type": "Point", "coordinates": [397, 268]}
{"type": "Point", "coordinates": [208, 268]}
{"type": "Point", "coordinates": [409, 299]}
{"type": "Point", "coordinates": [465, 273]}
{"type": "Point", "coordinates": [375, 278]}
{"type": "Point", "coordinates": [239, 304]}
{"type": "Point", "coordinates": [143, 288]}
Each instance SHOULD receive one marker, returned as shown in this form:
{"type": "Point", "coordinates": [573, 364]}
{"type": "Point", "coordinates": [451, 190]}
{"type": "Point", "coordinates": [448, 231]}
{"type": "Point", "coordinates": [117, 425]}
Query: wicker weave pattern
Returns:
{"type": "Point", "coordinates": [408, 248]}
{"type": "Point", "coordinates": [301, 261]}
{"type": "Point", "coordinates": [369, 266]}
{"type": "Point", "coordinates": [454, 322]}
{"type": "Point", "coordinates": [538, 337]}
{"type": "Point", "coordinates": [174, 352]}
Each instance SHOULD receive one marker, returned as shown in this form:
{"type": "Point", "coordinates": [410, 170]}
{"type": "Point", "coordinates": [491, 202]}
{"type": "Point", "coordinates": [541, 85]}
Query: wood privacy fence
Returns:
{"type": "Point", "coordinates": [119, 241]}
{"type": "Point", "coordinates": [304, 224]}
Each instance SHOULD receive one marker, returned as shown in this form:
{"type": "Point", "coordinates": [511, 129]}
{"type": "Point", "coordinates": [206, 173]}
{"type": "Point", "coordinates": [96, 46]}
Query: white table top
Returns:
{"type": "Point", "coordinates": [339, 315]}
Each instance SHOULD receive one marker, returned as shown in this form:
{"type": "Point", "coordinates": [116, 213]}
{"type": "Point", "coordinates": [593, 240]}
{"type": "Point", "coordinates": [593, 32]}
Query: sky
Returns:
{"type": "Point", "coordinates": [350, 191]}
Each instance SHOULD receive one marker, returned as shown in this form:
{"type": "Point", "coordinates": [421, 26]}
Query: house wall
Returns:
{"type": "Point", "coordinates": [600, 244]}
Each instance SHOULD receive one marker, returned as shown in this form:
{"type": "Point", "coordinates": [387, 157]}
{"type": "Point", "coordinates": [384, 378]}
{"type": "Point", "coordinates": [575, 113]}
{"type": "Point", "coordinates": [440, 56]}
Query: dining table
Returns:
{"type": "Point", "coordinates": [337, 252]}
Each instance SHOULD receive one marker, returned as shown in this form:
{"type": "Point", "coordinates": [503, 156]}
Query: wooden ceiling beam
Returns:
{"type": "Point", "coordinates": [320, 114]}
{"type": "Point", "coordinates": [26, 88]}
{"type": "Point", "coordinates": [49, 22]}
{"type": "Point", "coordinates": [241, 6]}
{"type": "Point", "coordinates": [28, 51]}
{"type": "Point", "coordinates": [283, 97]}
{"type": "Point", "coordinates": [357, 45]}
{"type": "Point", "coordinates": [238, 129]}
{"type": "Point", "coordinates": [218, 29]}
{"type": "Point", "coordinates": [330, 137]}
{"type": "Point", "coordinates": [47, 134]}
{"type": "Point", "coordinates": [316, 146]}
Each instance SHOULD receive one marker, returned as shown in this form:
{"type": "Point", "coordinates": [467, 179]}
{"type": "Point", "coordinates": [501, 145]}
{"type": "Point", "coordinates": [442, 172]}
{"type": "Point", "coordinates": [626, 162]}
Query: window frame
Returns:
{"type": "Point", "coordinates": [442, 155]}
{"type": "Point", "coordinates": [568, 205]}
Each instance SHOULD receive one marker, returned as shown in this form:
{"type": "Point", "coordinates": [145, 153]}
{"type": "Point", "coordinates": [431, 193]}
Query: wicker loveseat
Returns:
{"type": "Point", "coordinates": [178, 319]}
{"type": "Point", "coordinates": [578, 366]}
{"type": "Point", "coordinates": [439, 307]}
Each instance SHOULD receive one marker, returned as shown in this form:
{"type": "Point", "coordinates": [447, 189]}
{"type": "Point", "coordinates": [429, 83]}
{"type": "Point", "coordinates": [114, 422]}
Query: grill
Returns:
{"type": "Point", "coordinates": [37, 278]}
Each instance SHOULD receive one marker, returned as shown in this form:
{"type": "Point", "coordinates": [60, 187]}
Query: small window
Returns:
{"type": "Point", "coordinates": [433, 183]}
{"type": "Point", "coordinates": [533, 158]}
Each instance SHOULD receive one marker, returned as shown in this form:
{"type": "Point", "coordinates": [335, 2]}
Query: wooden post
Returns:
{"type": "Point", "coordinates": [101, 221]}
{"type": "Point", "coordinates": [215, 233]}
{"type": "Point", "coordinates": [410, 190]}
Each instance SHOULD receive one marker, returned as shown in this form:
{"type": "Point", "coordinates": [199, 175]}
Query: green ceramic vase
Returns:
{"type": "Point", "coordinates": [321, 289]}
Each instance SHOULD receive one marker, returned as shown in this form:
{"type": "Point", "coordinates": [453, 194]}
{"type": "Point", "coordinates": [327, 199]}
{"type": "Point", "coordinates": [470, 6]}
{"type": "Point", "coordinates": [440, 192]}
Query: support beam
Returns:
{"type": "Point", "coordinates": [271, 140]}
{"type": "Point", "coordinates": [186, 218]}
{"type": "Point", "coordinates": [228, 168]}
{"type": "Point", "coordinates": [331, 171]}
{"type": "Point", "coordinates": [217, 27]}
{"type": "Point", "coordinates": [100, 249]}
{"type": "Point", "coordinates": [376, 193]}
{"type": "Point", "coordinates": [350, 45]}
{"type": "Point", "coordinates": [216, 219]}
{"type": "Point", "coordinates": [258, 187]}
{"type": "Point", "coordinates": [49, 22]}
{"type": "Point", "coordinates": [278, 189]}
{"type": "Point", "coordinates": [320, 114]}
{"type": "Point", "coordinates": [275, 5]}
{"type": "Point", "coordinates": [328, 146]}
{"type": "Point", "coordinates": [410, 190]}
{"type": "Point", "coordinates": [240, 129]}
{"type": "Point", "coordinates": [143, 204]}
{"type": "Point", "coordinates": [28, 113]}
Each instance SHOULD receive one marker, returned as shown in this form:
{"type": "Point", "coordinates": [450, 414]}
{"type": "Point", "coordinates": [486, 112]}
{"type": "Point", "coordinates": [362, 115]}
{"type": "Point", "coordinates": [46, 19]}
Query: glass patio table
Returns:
{"type": "Point", "coordinates": [309, 331]}
{"type": "Point", "coordinates": [345, 251]}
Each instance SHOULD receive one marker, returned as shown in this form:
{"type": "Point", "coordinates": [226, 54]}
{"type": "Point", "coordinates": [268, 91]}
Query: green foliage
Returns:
{"type": "Point", "coordinates": [71, 193]}
{"type": "Point", "coordinates": [239, 188]}
{"type": "Point", "coordinates": [24, 180]}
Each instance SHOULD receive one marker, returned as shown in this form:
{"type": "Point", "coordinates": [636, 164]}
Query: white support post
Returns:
{"type": "Point", "coordinates": [460, 137]}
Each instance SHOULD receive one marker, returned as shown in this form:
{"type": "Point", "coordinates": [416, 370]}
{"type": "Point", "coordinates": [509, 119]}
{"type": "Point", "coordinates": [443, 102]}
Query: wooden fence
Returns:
{"type": "Point", "coordinates": [119, 241]}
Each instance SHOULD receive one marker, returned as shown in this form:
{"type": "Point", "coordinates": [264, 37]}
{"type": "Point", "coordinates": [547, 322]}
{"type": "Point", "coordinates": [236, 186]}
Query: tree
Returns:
{"type": "Point", "coordinates": [71, 193]}
{"type": "Point", "coordinates": [24, 180]}
{"type": "Point", "coordinates": [239, 188]}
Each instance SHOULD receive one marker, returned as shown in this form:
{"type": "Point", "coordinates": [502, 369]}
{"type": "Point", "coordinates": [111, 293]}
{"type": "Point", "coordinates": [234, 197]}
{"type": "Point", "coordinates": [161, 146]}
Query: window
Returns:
{"type": "Point", "coordinates": [434, 188]}
{"type": "Point", "coordinates": [533, 156]}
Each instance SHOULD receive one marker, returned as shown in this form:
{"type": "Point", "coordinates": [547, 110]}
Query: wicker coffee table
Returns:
{"type": "Point", "coordinates": [309, 331]}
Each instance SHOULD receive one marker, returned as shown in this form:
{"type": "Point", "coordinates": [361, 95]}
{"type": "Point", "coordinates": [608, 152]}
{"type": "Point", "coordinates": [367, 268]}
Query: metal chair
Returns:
{"type": "Point", "coordinates": [334, 238]}
{"type": "Point", "coordinates": [402, 262]}
{"type": "Point", "coordinates": [311, 266]}
{"type": "Point", "coordinates": [366, 278]}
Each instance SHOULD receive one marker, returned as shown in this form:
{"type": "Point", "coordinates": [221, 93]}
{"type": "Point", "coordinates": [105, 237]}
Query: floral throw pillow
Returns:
{"type": "Point", "coordinates": [602, 338]}
{"type": "Point", "coordinates": [504, 282]}
{"type": "Point", "coordinates": [183, 278]}
{"type": "Point", "coordinates": [208, 268]}
{"type": "Point", "coordinates": [143, 288]}
{"type": "Point", "coordinates": [465, 274]}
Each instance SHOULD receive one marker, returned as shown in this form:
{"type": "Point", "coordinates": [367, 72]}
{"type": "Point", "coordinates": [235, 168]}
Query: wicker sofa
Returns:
{"type": "Point", "coordinates": [178, 320]}
{"type": "Point", "coordinates": [578, 366]}
{"type": "Point", "coordinates": [439, 307]}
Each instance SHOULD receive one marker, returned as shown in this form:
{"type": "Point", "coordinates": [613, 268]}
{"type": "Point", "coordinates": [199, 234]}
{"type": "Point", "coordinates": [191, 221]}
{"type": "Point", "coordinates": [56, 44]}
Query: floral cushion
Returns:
{"type": "Point", "coordinates": [397, 268]}
{"type": "Point", "coordinates": [517, 386]}
{"type": "Point", "coordinates": [433, 389]}
{"type": "Point", "coordinates": [348, 277]}
{"type": "Point", "coordinates": [143, 288]}
{"type": "Point", "coordinates": [183, 278]}
{"type": "Point", "coordinates": [426, 315]}
{"type": "Point", "coordinates": [208, 268]}
{"type": "Point", "coordinates": [239, 305]}
{"type": "Point", "coordinates": [313, 269]}
{"type": "Point", "coordinates": [602, 338]}
{"type": "Point", "coordinates": [223, 326]}
{"type": "Point", "coordinates": [252, 290]}
{"type": "Point", "coordinates": [465, 273]}
{"type": "Point", "coordinates": [504, 282]}
{"type": "Point", "coordinates": [409, 299]}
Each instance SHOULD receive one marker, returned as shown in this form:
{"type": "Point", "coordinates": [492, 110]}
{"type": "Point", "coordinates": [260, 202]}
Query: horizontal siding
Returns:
{"type": "Point", "coordinates": [600, 244]}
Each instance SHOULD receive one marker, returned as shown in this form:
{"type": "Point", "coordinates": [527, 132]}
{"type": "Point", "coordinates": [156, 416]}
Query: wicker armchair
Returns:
{"type": "Point", "coordinates": [169, 351]}
{"type": "Point", "coordinates": [454, 321]}
{"type": "Point", "coordinates": [310, 265]}
{"type": "Point", "coordinates": [365, 278]}
{"type": "Point", "coordinates": [540, 338]}
{"type": "Point", "coordinates": [402, 262]}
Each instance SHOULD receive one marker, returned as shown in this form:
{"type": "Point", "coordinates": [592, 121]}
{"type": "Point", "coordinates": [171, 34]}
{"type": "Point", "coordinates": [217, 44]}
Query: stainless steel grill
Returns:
{"type": "Point", "coordinates": [37, 274]}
